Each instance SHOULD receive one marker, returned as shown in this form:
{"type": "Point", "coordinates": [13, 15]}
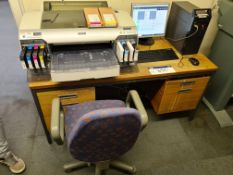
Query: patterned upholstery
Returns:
{"type": "Point", "coordinates": [74, 112]}
{"type": "Point", "coordinates": [100, 130]}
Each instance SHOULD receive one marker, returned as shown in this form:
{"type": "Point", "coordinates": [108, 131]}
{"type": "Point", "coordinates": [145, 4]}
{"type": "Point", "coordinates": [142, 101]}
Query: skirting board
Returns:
{"type": "Point", "coordinates": [222, 116]}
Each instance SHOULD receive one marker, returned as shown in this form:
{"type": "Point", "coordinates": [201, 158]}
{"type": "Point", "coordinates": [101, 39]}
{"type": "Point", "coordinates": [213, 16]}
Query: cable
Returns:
{"type": "Point", "coordinates": [51, 20]}
{"type": "Point", "coordinates": [181, 64]}
{"type": "Point", "coordinates": [54, 19]}
{"type": "Point", "coordinates": [180, 39]}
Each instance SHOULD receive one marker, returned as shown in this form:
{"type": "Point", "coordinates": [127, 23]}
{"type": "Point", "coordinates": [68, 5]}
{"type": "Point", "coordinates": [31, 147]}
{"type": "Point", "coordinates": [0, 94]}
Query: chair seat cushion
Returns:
{"type": "Point", "coordinates": [74, 112]}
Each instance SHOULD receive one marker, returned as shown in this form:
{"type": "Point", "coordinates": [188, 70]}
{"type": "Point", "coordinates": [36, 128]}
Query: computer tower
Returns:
{"type": "Point", "coordinates": [186, 26]}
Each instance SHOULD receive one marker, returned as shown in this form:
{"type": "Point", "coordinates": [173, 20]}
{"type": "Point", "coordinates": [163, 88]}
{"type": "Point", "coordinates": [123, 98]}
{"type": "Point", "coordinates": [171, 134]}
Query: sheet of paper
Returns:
{"type": "Point", "coordinates": [109, 19]}
{"type": "Point", "coordinates": [94, 19]}
{"type": "Point", "coordinates": [161, 70]}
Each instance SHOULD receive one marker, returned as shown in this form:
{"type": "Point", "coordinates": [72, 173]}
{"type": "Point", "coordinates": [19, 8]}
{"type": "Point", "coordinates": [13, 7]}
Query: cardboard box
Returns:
{"type": "Point", "coordinates": [108, 17]}
{"type": "Point", "coordinates": [93, 17]}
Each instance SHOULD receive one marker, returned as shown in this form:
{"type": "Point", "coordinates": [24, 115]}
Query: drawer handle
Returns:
{"type": "Point", "coordinates": [68, 96]}
{"type": "Point", "coordinates": [187, 83]}
{"type": "Point", "coordinates": [183, 91]}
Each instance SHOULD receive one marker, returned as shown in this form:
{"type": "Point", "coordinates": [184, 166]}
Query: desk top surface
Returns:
{"type": "Point", "coordinates": [140, 71]}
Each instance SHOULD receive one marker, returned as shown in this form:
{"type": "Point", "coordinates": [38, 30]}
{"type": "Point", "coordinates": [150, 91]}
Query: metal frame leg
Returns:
{"type": "Point", "coordinates": [38, 107]}
{"type": "Point", "coordinates": [101, 167]}
{"type": "Point", "coordinates": [194, 112]}
{"type": "Point", "coordinates": [123, 167]}
{"type": "Point", "coordinates": [75, 165]}
{"type": "Point", "coordinates": [99, 171]}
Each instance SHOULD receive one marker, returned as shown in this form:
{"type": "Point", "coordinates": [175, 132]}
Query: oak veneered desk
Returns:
{"type": "Point", "coordinates": [44, 90]}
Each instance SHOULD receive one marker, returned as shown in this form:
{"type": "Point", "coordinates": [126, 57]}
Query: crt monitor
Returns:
{"type": "Point", "coordinates": [150, 20]}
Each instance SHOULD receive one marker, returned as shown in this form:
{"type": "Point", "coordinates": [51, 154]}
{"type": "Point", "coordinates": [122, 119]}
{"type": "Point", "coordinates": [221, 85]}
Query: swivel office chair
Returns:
{"type": "Point", "coordinates": [100, 131]}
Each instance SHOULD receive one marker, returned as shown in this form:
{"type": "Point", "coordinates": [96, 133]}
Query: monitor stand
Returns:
{"type": "Point", "coordinates": [146, 41]}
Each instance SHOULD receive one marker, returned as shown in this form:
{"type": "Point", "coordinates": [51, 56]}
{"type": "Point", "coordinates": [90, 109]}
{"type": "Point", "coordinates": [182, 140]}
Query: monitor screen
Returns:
{"type": "Point", "coordinates": [150, 19]}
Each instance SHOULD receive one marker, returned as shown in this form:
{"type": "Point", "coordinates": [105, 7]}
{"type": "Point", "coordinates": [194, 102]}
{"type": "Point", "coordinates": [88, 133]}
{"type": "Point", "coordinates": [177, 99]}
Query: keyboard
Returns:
{"type": "Point", "coordinates": [156, 55]}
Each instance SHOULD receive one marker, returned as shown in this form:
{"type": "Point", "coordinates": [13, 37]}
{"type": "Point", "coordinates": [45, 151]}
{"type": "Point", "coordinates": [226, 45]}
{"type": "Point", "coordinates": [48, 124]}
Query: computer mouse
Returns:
{"type": "Point", "coordinates": [194, 61]}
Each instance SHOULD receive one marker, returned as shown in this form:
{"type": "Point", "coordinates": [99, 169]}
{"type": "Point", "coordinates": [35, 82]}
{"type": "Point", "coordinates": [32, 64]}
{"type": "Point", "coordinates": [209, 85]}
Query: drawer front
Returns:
{"type": "Point", "coordinates": [173, 86]}
{"type": "Point", "coordinates": [179, 95]}
{"type": "Point", "coordinates": [45, 99]}
{"type": "Point", "coordinates": [189, 95]}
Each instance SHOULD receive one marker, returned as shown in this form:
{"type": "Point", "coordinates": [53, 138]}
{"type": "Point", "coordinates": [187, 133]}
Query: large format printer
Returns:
{"type": "Point", "coordinates": [58, 39]}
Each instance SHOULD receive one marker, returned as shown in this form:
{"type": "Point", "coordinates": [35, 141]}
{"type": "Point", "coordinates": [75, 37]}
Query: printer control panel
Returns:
{"type": "Point", "coordinates": [34, 55]}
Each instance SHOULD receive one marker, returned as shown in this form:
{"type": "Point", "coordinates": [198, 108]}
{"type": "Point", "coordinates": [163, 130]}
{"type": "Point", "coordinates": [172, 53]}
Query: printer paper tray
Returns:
{"type": "Point", "coordinates": [81, 75]}
{"type": "Point", "coordinates": [77, 64]}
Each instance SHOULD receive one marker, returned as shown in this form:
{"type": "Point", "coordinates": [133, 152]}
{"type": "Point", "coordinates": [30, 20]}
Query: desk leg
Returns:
{"type": "Point", "coordinates": [41, 116]}
{"type": "Point", "coordinates": [194, 112]}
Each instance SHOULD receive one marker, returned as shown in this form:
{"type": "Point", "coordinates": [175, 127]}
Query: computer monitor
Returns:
{"type": "Point", "coordinates": [150, 19]}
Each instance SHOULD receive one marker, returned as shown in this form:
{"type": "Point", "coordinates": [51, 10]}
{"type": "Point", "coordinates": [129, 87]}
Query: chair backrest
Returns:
{"type": "Point", "coordinates": [104, 134]}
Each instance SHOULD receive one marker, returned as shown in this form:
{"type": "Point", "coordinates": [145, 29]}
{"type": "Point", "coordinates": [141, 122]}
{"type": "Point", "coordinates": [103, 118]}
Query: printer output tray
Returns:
{"type": "Point", "coordinates": [72, 65]}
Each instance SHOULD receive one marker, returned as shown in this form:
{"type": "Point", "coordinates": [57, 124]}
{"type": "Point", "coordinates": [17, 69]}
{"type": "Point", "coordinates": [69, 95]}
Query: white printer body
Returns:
{"type": "Point", "coordinates": [30, 28]}
{"type": "Point", "coordinates": [37, 26]}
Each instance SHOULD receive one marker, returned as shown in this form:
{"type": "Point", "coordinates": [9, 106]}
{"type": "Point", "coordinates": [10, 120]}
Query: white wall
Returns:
{"type": "Point", "coordinates": [17, 8]}
{"type": "Point", "coordinates": [118, 4]}
{"type": "Point", "coordinates": [31, 5]}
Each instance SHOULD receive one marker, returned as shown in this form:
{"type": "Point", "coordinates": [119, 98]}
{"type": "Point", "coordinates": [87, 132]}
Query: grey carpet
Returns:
{"type": "Point", "coordinates": [166, 147]}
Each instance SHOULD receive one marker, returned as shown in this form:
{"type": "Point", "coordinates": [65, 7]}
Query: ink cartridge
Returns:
{"type": "Point", "coordinates": [29, 57]}
{"type": "Point", "coordinates": [42, 56]}
{"type": "Point", "coordinates": [35, 56]}
{"type": "Point", "coordinates": [119, 51]}
{"type": "Point", "coordinates": [35, 59]}
{"type": "Point", "coordinates": [22, 57]}
{"type": "Point", "coordinates": [131, 51]}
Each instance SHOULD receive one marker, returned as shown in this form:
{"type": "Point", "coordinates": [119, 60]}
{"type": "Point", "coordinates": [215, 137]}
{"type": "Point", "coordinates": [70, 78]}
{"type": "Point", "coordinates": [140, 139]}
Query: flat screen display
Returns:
{"type": "Point", "coordinates": [150, 19]}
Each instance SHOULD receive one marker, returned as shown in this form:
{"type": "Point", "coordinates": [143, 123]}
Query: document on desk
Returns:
{"type": "Point", "coordinates": [161, 70]}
